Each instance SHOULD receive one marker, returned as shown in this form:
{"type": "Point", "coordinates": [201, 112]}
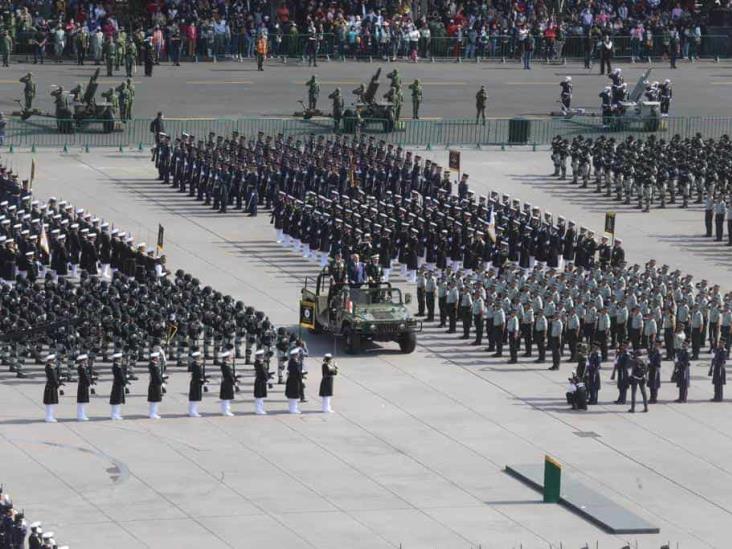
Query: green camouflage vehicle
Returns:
{"type": "Point", "coordinates": [358, 314]}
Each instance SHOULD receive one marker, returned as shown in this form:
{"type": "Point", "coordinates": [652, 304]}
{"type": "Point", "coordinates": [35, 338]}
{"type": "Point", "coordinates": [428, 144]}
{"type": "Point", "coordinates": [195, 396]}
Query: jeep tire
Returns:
{"type": "Point", "coordinates": [408, 342]}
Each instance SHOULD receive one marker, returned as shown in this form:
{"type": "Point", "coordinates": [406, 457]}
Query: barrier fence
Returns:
{"type": "Point", "coordinates": [43, 132]}
{"type": "Point", "coordinates": [495, 47]}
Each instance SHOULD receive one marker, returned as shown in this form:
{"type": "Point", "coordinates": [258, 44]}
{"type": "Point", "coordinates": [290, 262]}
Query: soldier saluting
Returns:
{"type": "Point", "coordinates": [329, 370]}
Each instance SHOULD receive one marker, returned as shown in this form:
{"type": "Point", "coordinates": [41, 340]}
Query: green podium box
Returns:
{"type": "Point", "coordinates": [552, 480]}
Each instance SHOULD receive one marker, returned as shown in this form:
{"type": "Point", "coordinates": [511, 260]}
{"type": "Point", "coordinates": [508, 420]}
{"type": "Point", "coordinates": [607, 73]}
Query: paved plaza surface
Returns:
{"type": "Point", "coordinates": [229, 89]}
{"type": "Point", "coordinates": [414, 454]}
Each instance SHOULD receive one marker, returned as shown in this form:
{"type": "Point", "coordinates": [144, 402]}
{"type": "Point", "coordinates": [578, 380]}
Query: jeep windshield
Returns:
{"type": "Point", "coordinates": [371, 296]}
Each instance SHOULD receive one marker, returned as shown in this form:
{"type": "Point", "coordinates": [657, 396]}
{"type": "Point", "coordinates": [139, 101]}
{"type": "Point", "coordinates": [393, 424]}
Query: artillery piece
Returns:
{"type": "Point", "coordinates": [367, 110]}
{"type": "Point", "coordinates": [77, 108]}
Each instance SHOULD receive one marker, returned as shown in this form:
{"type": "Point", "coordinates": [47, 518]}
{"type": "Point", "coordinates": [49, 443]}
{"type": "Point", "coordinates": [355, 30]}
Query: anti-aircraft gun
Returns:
{"type": "Point", "coordinates": [367, 110]}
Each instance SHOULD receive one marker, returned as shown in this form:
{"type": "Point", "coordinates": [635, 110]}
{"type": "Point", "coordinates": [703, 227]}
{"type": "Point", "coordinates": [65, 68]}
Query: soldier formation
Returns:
{"type": "Point", "coordinates": [499, 266]}
{"type": "Point", "coordinates": [653, 171]}
{"type": "Point", "coordinates": [15, 530]}
{"type": "Point", "coordinates": [77, 293]}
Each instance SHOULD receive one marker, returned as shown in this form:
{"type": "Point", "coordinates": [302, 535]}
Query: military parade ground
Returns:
{"type": "Point", "coordinates": [399, 449]}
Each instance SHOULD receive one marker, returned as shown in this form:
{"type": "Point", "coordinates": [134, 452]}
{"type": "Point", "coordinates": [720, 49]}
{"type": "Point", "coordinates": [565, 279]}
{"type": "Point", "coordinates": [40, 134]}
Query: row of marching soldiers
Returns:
{"type": "Point", "coordinates": [229, 382]}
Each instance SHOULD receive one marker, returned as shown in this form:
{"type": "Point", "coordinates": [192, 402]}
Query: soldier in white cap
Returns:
{"type": "Point", "coordinates": [197, 384]}
{"type": "Point", "coordinates": [84, 382]}
{"type": "Point", "coordinates": [330, 370]}
{"type": "Point", "coordinates": [155, 386]}
{"type": "Point", "coordinates": [119, 383]}
{"type": "Point", "coordinates": [294, 379]}
{"type": "Point", "coordinates": [228, 381]}
{"type": "Point", "coordinates": [261, 379]}
{"type": "Point", "coordinates": [50, 392]}
{"type": "Point", "coordinates": [34, 539]}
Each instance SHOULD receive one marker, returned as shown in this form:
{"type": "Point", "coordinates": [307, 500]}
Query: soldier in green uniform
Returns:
{"type": "Point", "coordinates": [109, 53]}
{"type": "Point", "coordinates": [6, 46]}
{"type": "Point", "coordinates": [337, 107]}
{"type": "Point", "coordinates": [395, 97]}
{"type": "Point", "coordinates": [124, 102]}
{"type": "Point", "coordinates": [416, 88]}
{"type": "Point", "coordinates": [313, 92]}
{"type": "Point", "coordinates": [396, 80]}
{"type": "Point", "coordinates": [29, 90]}
{"type": "Point", "coordinates": [77, 92]}
{"type": "Point", "coordinates": [111, 96]}
{"type": "Point", "coordinates": [131, 98]}
{"type": "Point", "coordinates": [130, 57]}
{"type": "Point", "coordinates": [480, 100]}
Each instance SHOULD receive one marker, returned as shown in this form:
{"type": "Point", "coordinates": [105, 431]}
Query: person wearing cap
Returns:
{"type": "Point", "coordinates": [294, 381]}
{"type": "Point", "coordinates": [717, 371]}
{"type": "Point", "coordinates": [638, 378]}
{"type": "Point", "coordinates": [261, 381]}
{"type": "Point", "coordinates": [622, 363]}
{"type": "Point", "coordinates": [84, 382]}
{"type": "Point", "coordinates": [119, 383]}
{"type": "Point", "coordinates": [155, 385]}
{"type": "Point", "coordinates": [228, 382]}
{"type": "Point", "coordinates": [329, 371]}
{"type": "Point", "coordinates": [35, 539]}
{"type": "Point", "coordinates": [196, 384]}
{"type": "Point", "coordinates": [51, 390]}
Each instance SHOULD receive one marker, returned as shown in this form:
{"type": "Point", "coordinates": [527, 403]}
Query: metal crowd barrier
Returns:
{"type": "Point", "coordinates": [43, 132]}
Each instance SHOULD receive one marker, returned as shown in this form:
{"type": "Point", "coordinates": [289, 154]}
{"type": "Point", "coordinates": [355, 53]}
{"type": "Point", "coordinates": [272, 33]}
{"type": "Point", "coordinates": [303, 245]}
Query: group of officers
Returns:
{"type": "Point", "coordinates": [75, 292]}
{"type": "Point", "coordinates": [15, 531]}
{"type": "Point", "coordinates": [248, 173]}
{"type": "Point", "coordinates": [651, 171]}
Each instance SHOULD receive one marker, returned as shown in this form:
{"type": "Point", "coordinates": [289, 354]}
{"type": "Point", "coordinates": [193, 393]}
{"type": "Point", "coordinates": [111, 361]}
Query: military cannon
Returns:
{"type": "Point", "coordinates": [76, 108]}
{"type": "Point", "coordinates": [367, 110]}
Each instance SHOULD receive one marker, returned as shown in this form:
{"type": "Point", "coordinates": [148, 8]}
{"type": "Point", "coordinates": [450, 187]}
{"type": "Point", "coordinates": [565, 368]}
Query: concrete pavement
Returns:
{"type": "Point", "coordinates": [415, 452]}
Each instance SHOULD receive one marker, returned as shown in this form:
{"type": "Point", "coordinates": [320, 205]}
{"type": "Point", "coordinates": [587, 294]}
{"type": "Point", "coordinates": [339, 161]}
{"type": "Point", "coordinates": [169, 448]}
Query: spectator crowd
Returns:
{"type": "Point", "coordinates": [203, 29]}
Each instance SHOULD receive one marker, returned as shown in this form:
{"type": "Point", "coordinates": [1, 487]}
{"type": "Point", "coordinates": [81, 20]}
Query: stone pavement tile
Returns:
{"type": "Point", "coordinates": [248, 532]}
{"type": "Point", "coordinates": [335, 530]}
{"type": "Point", "coordinates": [183, 533]}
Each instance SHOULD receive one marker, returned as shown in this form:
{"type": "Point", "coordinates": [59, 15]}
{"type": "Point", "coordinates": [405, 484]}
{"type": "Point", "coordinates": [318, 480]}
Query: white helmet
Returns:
{"type": "Point", "coordinates": [567, 78]}
{"type": "Point", "coordinates": [667, 81]}
{"type": "Point", "coordinates": [607, 89]}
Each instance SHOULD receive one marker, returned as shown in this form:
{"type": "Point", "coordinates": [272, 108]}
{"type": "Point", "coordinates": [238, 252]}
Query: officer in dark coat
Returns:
{"type": "Point", "coordinates": [84, 381]}
{"type": "Point", "coordinates": [119, 382]}
{"type": "Point", "coordinates": [195, 387]}
{"type": "Point", "coordinates": [50, 391]}
{"type": "Point", "coordinates": [329, 370]}
{"type": "Point", "coordinates": [294, 379]}
{"type": "Point", "coordinates": [718, 372]}
{"type": "Point", "coordinates": [60, 257]}
{"type": "Point", "coordinates": [228, 381]}
{"type": "Point", "coordinates": [261, 379]}
{"type": "Point", "coordinates": [654, 371]}
{"type": "Point", "coordinates": [622, 363]}
{"type": "Point", "coordinates": [682, 375]}
{"type": "Point", "coordinates": [592, 373]}
{"type": "Point", "coordinates": [638, 378]}
{"type": "Point", "coordinates": [155, 385]}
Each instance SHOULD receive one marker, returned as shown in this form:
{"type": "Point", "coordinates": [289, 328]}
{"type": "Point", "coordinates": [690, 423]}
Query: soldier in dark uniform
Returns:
{"type": "Point", "coordinates": [566, 95]}
{"type": "Point", "coordinates": [155, 385]}
{"type": "Point", "coordinates": [51, 390]}
{"type": "Point", "coordinates": [638, 378]}
{"type": "Point", "coordinates": [682, 375]}
{"type": "Point", "coordinates": [228, 382]}
{"type": "Point", "coordinates": [717, 371]}
{"type": "Point", "coordinates": [196, 384]}
{"type": "Point", "coordinates": [262, 376]}
{"type": "Point", "coordinates": [622, 363]}
{"type": "Point", "coordinates": [329, 371]}
{"type": "Point", "coordinates": [119, 384]}
{"type": "Point", "coordinates": [294, 379]}
{"type": "Point", "coordinates": [654, 371]}
{"type": "Point", "coordinates": [591, 372]}
{"type": "Point", "coordinates": [84, 382]}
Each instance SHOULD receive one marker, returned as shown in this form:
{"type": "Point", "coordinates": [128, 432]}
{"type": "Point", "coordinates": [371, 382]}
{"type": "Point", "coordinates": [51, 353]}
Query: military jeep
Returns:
{"type": "Point", "coordinates": [358, 314]}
